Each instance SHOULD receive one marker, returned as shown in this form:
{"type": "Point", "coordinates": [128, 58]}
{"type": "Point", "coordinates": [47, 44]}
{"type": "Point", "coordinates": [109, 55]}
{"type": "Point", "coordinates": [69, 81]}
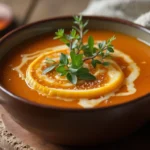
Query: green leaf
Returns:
{"type": "Point", "coordinates": [106, 63]}
{"type": "Point", "coordinates": [95, 49]}
{"type": "Point", "coordinates": [110, 40]}
{"type": "Point", "coordinates": [72, 78]}
{"type": "Point", "coordinates": [107, 54]}
{"type": "Point", "coordinates": [85, 32]}
{"type": "Point", "coordinates": [48, 69]}
{"type": "Point", "coordinates": [94, 62]}
{"type": "Point", "coordinates": [77, 37]}
{"type": "Point", "coordinates": [77, 61]}
{"type": "Point", "coordinates": [59, 33]}
{"type": "Point", "coordinates": [61, 69]}
{"type": "Point", "coordinates": [64, 59]}
{"type": "Point", "coordinates": [110, 49]}
{"type": "Point", "coordinates": [82, 70]}
{"type": "Point", "coordinates": [76, 28]}
{"type": "Point", "coordinates": [68, 44]}
{"type": "Point", "coordinates": [87, 51]}
{"type": "Point", "coordinates": [83, 74]}
{"type": "Point", "coordinates": [74, 44]}
{"type": "Point", "coordinates": [63, 39]}
{"type": "Point", "coordinates": [69, 37]}
{"type": "Point", "coordinates": [91, 43]}
{"type": "Point", "coordinates": [72, 70]}
{"type": "Point", "coordinates": [49, 60]}
{"type": "Point", "coordinates": [76, 22]}
{"type": "Point", "coordinates": [56, 37]}
{"type": "Point", "coordinates": [102, 45]}
{"type": "Point", "coordinates": [80, 18]}
{"type": "Point", "coordinates": [73, 33]}
{"type": "Point", "coordinates": [86, 76]}
{"type": "Point", "coordinates": [111, 46]}
{"type": "Point", "coordinates": [77, 18]}
{"type": "Point", "coordinates": [86, 23]}
{"type": "Point", "coordinates": [102, 54]}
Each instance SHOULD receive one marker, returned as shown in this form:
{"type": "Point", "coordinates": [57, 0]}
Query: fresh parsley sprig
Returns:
{"type": "Point", "coordinates": [79, 53]}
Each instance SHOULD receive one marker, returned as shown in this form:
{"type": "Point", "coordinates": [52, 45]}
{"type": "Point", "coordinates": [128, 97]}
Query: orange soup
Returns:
{"type": "Point", "coordinates": [127, 78]}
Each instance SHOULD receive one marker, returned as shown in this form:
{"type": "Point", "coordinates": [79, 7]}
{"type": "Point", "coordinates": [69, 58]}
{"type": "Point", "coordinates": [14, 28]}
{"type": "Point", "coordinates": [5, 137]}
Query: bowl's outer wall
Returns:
{"type": "Point", "coordinates": [75, 127]}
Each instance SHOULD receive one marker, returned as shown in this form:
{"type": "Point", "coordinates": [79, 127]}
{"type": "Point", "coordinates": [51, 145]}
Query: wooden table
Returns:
{"type": "Point", "coordinates": [12, 136]}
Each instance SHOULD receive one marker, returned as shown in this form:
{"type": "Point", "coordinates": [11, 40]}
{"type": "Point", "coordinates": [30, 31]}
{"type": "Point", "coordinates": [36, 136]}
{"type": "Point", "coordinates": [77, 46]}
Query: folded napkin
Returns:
{"type": "Point", "coordinates": [137, 11]}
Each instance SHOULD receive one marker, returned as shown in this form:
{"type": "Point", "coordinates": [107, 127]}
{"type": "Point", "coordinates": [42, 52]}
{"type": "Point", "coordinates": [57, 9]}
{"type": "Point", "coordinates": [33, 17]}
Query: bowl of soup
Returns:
{"type": "Point", "coordinates": [113, 105]}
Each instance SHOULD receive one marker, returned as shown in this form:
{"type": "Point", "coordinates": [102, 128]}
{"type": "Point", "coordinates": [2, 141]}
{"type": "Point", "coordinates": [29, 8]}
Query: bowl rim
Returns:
{"type": "Point", "coordinates": [26, 101]}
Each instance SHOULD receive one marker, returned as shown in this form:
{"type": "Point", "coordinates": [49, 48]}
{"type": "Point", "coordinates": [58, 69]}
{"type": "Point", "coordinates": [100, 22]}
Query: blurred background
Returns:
{"type": "Point", "coordinates": [14, 13]}
{"type": "Point", "coordinates": [45, 8]}
{"type": "Point", "coordinates": [27, 11]}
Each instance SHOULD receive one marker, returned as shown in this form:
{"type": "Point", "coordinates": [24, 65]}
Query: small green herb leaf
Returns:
{"type": "Point", "coordinates": [80, 18]}
{"type": "Point", "coordinates": [62, 70]}
{"type": "Point", "coordinates": [72, 70]}
{"type": "Point", "coordinates": [91, 43]}
{"type": "Point", "coordinates": [73, 33]}
{"type": "Point", "coordinates": [64, 59]}
{"type": "Point", "coordinates": [94, 62]}
{"type": "Point", "coordinates": [86, 76]}
{"type": "Point", "coordinates": [83, 74]}
{"type": "Point", "coordinates": [59, 33]}
{"type": "Point", "coordinates": [82, 71]}
{"type": "Point", "coordinates": [76, 60]}
{"type": "Point", "coordinates": [86, 23]}
{"type": "Point", "coordinates": [72, 78]}
{"type": "Point", "coordinates": [49, 60]}
{"type": "Point", "coordinates": [85, 32]}
{"type": "Point", "coordinates": [63, 39]}
{"type": "Point", "coordinates": [102, 45]}
{"type": "Point", "coordinates": [76, 28]}
{"type": "Point", "coordinates": [110, 40]}
{"type": "Point", "coordinates": [74, 44]}
{"type": "Point", "coordinates": [86, 50]}
{"type": "Point", "coordinates": [48, 69]}
{"type": "Point", "coordinates": [110, 49]}
{"type": "Point", "coordinates": [105, 63]}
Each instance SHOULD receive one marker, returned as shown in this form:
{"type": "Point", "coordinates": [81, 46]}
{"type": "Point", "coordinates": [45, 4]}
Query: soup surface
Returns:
{"type": "Point", "coordinates": [21, 73]}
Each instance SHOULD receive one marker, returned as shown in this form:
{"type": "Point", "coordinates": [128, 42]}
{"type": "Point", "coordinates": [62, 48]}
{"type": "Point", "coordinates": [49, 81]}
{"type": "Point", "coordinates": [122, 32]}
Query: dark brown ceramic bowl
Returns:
{"type": "Point", "coordinates": [75, 126]}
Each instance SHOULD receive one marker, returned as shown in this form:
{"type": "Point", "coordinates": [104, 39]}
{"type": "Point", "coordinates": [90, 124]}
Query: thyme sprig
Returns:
{"type": "Point", "coordinates": [79, 53]}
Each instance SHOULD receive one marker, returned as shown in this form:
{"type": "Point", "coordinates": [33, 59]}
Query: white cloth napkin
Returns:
{"type": "Point", "coordinates": [132, 10]}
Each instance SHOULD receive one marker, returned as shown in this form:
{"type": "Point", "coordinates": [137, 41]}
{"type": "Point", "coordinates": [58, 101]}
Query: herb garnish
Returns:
{"type": "Point", "coordinates": [79, 53]}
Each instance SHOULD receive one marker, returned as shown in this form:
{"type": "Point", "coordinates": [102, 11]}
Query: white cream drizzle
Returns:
{"type": "Point", "coordinates": [135, 72]}
{"type": "Point", "coordinates": [86, 103]}
{"type": "Point", "coordinates": [93, 102]}
{"type": "Point", "coordinates": [31, 56]}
